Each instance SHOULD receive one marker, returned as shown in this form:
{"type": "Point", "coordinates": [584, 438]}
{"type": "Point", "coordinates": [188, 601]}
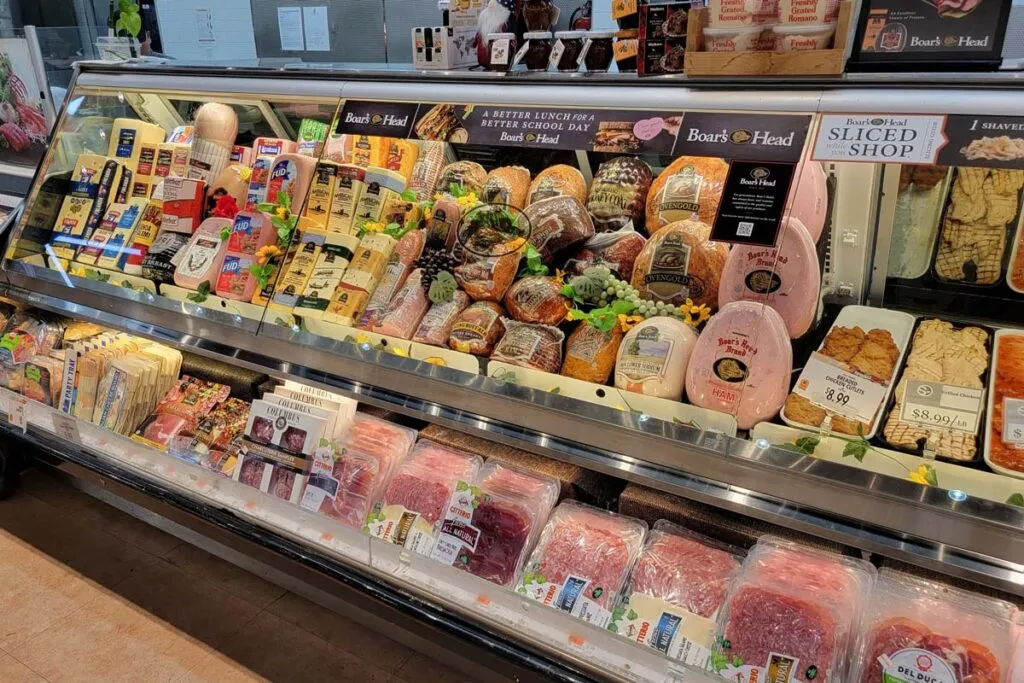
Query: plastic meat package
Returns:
{"type": "Point", "coordinates": [417, 495]}
{"type": "Point", "coordinates": [349, 488]}
{"type": "Point", "coordinates": [915, 629]}
{"type": "Point", "coordinates": [488, 530]}
{"type": "Point", "coordinates": [791, 609]}
{"type": "Point", "coordinates": [675, 591]}
{"type": "Point", "coordinates": [582, 560]}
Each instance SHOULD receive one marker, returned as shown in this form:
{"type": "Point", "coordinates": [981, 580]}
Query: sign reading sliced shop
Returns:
{"type": "Point", "coordinates": [885, 138]}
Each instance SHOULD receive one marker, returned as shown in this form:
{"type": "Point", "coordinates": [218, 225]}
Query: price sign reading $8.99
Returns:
{"type": "Point", "coordinates": [826, 384]}
{"type": "Point", "coordinates": [933, 404]}
{"type": "Point", "coordinates": [1013, 421]}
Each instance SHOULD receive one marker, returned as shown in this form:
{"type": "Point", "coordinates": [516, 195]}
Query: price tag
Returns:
{"type": "Point", "coordinates": [834, 389]}
{"type": "Point", "coordinates": [933, 404]}
{"type": "Point", "coordinates": [16, 412]}
{"type": "Point", "coordinates": [66, 428]}
{"type": "Point", "coordinates": [1013, 421]}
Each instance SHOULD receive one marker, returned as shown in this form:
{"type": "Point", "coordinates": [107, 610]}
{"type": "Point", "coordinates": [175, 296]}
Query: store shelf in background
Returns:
{"type": "Point", "coordinates": [209, 495]}
{"type": "Point", "coordinates": [974, 539]}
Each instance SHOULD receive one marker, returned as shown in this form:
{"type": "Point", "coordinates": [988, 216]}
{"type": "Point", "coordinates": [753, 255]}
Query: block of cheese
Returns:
{"type": "Point", "coordinates": [290, 174]}
{"type": "Point", "coordinates": [366, 150]}
{"type": "Point", "coordinates": [129, 137]}
{"type": "Point", "coordinates": [325, 278]}
{"type": "Point", "coordinates": [321, 193]}
{"type": "Point", "coordinates": [401, 156]}
{"type": "Point", "coordinates": [145, 234]}
{"type": "Point", "coordinates": [200, 260]}
{"type": "Point", "coordinates": [296, 273]}
{"type": "Point", "coordinates": [348, 190]}
{"type": "Point", "coordinates": [106, 193]}
{"type": "Point", "coordinates": [171, 160]}
{"type": "Point", "coordinates": [115, 252]}
{"type": "Point", "coordinates": [382, 187]}
{"type": "Point", "coordinates": [183, 204]}
{"type": "Point", "coordinates": [145, 172]}
{"type": "Point", "coordinates": [91, 252]}
{"type": "Point", "coordinates": [76, 206]}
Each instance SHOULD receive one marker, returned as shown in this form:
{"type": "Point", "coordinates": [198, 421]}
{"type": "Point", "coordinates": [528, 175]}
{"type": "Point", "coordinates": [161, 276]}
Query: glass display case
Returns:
{"type": "Point", "coordinates": [791, 306]}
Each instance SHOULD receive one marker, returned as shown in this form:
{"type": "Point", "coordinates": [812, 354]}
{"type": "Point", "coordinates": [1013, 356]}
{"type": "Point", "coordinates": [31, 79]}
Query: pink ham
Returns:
{"type": "Point", "coordinates": [407, 250]}
{"type": "Point", "coordinates": [786, 277]}
{"type": "Point", "coordinates": [742, 363]}
{"type": "Point", "coordinates": [405, 310]}
{"type": "Point", "coordinates": [808, 197]}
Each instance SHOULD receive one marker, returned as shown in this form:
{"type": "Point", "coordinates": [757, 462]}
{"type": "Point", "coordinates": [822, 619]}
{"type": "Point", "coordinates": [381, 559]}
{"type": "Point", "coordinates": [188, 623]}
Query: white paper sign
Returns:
{"type": "Point", "coordinates": [933, 404]}
{"type": "Point", "coordinates": [205, 31]}
{"type": "Point", "coordinates": [289, 25]}
{"type": "Point", "coordinates": [839, 391]}
{"type": "Point", "coordinates": [887, 138]}
{"type": "Point", "coordinates": [66, 427]}
{"type": "Point", "coordinates": [316, 28]}
{"type": "Point", "coordinates": [16, 412]}
{"type": "Point", "coordinates": [1013, 421]}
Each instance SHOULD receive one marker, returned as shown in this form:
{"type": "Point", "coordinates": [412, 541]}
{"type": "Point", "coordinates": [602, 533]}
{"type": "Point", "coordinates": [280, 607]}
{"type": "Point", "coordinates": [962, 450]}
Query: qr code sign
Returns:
{"type": "Point", "coordinates": [745, 229]}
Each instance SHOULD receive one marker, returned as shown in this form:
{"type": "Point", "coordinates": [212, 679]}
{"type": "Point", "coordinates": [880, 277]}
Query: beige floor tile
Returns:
{"type": "Point", "coordinates": [420, 668]}
{"type": "Point", "coordinates": [52, 491]}
{"type": "Point", "coordinates": [275, 649]}
{"type": "Point", "coordinates": [127, 528]}
{"type": "Point", "coordinates": [191, 605]}
{"type": "Point", "coordinates": [110, 640]}
{"type": "Point", "coordinates": [341, 632]}
{"type": "Point", "coordinates": [226, 576]}
{"type": "Point", "coordinates": [216, 668]}
{"type": "Point", "coordinates": [13, 671]}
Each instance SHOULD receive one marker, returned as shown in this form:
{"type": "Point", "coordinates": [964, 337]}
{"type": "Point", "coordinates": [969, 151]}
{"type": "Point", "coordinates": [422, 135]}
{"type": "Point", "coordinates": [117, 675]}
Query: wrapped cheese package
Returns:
{"type": "Point", "coordinates": [582, 560]}
{"type": "Point", "coordinates": [489, 529]}
{"type": "Point", "coordinates": [914, 629]}
{"type": "Point", "coordinates": [792, 608]}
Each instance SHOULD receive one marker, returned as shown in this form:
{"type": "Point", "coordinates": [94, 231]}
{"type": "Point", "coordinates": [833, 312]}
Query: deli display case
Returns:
{"type": "Point", "coordinates": [549, 364]}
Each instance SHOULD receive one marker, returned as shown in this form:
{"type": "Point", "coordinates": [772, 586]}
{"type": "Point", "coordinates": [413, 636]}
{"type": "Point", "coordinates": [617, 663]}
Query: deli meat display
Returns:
{"type": "Point", "coordinates": [589, 380]}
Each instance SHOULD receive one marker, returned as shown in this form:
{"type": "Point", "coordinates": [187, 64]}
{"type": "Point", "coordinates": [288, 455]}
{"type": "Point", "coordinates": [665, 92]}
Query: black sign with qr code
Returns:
{"type": "Point", "coordinates": [753, 203]}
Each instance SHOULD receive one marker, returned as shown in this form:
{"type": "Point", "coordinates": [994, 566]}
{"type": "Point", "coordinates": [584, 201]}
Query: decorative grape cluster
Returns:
{"type": "Point", "coordinates": [599, 287]}
{"type": "Point", "coordinates": [435, 261]}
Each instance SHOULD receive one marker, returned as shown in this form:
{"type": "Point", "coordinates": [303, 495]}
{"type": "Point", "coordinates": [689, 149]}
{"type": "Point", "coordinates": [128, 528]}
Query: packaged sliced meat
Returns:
{"type": "Point", "coordinates": [1003, 452]}
{"type": "Point", "coordinates": [787, 277]}
{"type": "Point", "coordinates": [741, 363]}
{"type": "Point", "coordinates": [654, 356]}
{"type": "Point", "coordinates": [386, 441]}
{"type": "Point", "coordinates": [507, 185]}
{"type": "Point", "coordinates": [618, 194]}
{"type": "Point", "coordinates": [557, 181]}
{"type": "Point", "coordinates": [477, 328]}
{"type": "Point", "coordinates": [675, 590]}
{"type": "Point", "coordinates": [537, 300]}
{"type": "Point", "coordinates": [950, 355]}
{"type": "Point", "coordinates": [679, 263]}
{"type": "Point", "coordinates": [27, 335]}
{"type": "Point", "coordinates": [590, 353]}
{"type": "Point", "coordinates": [413, 504]}
{"type": "Point", "coordinates": [792, 610]}
{"type": "Point", "coordinates": [42, 378]}
{"type": "Point", "coordinates": [406, 309]}
{"type": "Point", "coordinates": [492, 522]}
{"type": "Point", "coordinates": [487, 278]}
{"type": "Point", "coordinates": [690, 188]}
{"type": "Point", "coordinates": [192, 398]}
{"type": "Point", "coordinates": [530, 346]}
{"type": "Point", "coordinates": [918, 630]}
{"type": "Point", "coordinates": [981, 212]}
{"type": "Point", "coordinates": [582, 560]}
{"type": "Point", "coordinates": [345, 489]}
{"type": "Point", "coordinates": [426, 172]}
{"type": "Point", "coordinates": [398, 267]}
{"type": "Point", "coordinates": [469, 174]}
{"type": "Point", "coordinates": [808, 197]}
{"type": "Point", "coordinates": [558, 223]}
{"type": "Point", "coordinates": [158, 430]}
{"type": "Point", "coordinates": [436, 325]}
{"type": "Point", "coordinates": [617, 249]}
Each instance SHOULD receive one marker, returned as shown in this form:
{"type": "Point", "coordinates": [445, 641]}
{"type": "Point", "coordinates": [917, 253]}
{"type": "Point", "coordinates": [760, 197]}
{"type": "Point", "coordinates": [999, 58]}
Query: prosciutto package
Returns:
{"type": "Point", "coordinates": [438, 321]}
{"type": "Point", "coordinates": [915, 629]}
{"type": "Point", "coordinates": [406, 310]}
{"type": "Point", "coordinates": [791, 609]}
{"type": "Point", "coordinates": [507, 508]}
{"type": "Point", "coordinates": [582, 560]}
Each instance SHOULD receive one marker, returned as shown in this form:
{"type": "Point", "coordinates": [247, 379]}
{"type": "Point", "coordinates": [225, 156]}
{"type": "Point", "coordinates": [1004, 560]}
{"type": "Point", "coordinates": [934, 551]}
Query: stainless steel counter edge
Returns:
{"type": "Point", "coordinates": [861, 509]}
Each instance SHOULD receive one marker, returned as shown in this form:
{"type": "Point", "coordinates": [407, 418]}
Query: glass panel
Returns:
{"type": "Point", "coordinates": [139, 197]}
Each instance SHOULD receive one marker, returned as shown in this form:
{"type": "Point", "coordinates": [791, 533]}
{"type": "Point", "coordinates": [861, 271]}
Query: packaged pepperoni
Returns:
{"type": "Point", "coordinates": [537, 300]}
{"type": "Point", "coordinates": [437, 323]}
{"type": "Point", "coordinates": [530, 346]}
{"type": "Point", "coordinates": [477, 329]}
{"type": "Point", "coordinates": [919, 630]}
{"type": "Point", "coordinates": [590, 353]}
{"type": "Point", "coordinates": [791, 615]}
{"type": "Point", "coordinates": [675, 591]}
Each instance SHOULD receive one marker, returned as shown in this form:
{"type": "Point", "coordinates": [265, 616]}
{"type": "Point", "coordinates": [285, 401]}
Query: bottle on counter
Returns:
{"type": "Point", "coordinates": [567, 50]}
{"type": "Point", "coordinates": [598, 51]}
{"type": "Point", "coordinates": [535, 51]}
{"type": "Point", "coordinates": [501, 48]}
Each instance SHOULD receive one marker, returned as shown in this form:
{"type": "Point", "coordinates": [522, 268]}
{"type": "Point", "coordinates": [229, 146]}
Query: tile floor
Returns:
{"type": "Point", "coordinates": [89, 593]}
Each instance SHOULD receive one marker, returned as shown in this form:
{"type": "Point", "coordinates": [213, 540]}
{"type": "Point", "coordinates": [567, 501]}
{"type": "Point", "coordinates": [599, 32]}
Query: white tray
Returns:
{"type": "Point", "coordinates": [990, 413]}
{"type": "Point", "coordinates": [232, 306]}
{"type": "Point", "coordinates": [899, 324]}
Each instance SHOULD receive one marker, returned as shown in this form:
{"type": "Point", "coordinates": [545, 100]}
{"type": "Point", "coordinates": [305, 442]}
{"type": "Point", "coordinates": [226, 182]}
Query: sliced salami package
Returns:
{"type": "Point", "coordinates": [791, 614]}
{"type": "Point", "coordinates": [582, 560]}
{"type": "Point", "coordinates": [918, 630]}
{"type": "Point", "coordinates": [492, 522]}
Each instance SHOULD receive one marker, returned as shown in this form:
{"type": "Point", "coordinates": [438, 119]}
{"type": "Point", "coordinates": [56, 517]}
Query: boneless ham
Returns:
{"type": "Point", "coordinates": [741, 364]}
{"type": "Point", "coordinates": [808, 197]}
{"type": "Point", "coordinates": [588, 545]}
{"type": "Point", "coordinates": [653, 357]}
{"type": "Point", "coordinates": [794, 607]}
{"type": "Point", "coordinates": [424, 482]}
{"type": "Point", "coordinates": [787, 276]}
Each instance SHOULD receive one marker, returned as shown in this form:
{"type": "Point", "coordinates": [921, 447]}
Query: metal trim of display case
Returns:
{"type": "Point", "coordinates": [971, 538]}
{"type": "Point", "coordinates": [529, 660]}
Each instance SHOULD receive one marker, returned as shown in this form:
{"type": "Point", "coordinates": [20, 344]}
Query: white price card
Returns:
{"type": "Point", "coordinates": [1013, 421]}
{"type": "Point", "coordinates": [16, 411]}
{"type": "Point", "coordinates": [934, 404]}
{"type": "Point", "coordinates": [826, 384]}
{"type": "Point", "coordinates": [66, 427]}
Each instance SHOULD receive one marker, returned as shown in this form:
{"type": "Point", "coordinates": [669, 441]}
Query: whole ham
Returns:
{"type": "Point", "coordinates": [808, 197]}
{"type": "Point", "coordinates": [741, 364]}
{"type": "Point", "coordinates": [653, 358]}
{"type": "Point", "coordinates": [787, 276]}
